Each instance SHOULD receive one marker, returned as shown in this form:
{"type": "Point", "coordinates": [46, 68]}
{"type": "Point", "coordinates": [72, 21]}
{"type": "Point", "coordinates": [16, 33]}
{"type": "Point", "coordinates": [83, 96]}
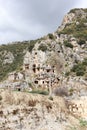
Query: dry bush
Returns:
{"type": "Point", "coordinates": [8, 98]}
{"type": "Point", "coordinates": [32, 103]}
{"type": "Point", "coordinates": [1, 113]}
{"type": "Point", "coordinates": [61, 91]}
{"type": "Point", "coordinates": [0, 97]}
{"type": "Point", "coordinates": [48, 106]}
{"type": "Point", "coordinates": [15, 112]}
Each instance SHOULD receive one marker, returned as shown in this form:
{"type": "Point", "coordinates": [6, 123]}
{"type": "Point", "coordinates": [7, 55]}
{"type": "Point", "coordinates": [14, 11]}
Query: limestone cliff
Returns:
{"type": "Point", "coordinates": [60, 57]}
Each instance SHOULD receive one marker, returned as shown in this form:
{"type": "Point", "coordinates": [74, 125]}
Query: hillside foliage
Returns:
{"type": "Point", "coordinates": [17, 49]}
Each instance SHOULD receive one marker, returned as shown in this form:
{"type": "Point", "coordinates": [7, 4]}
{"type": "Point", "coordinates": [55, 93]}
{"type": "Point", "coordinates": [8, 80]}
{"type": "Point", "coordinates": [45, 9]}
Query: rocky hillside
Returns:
{"type": "Point", "coordinates": [68, 43]}
{"type": "Point", "coordinates": [55, 64]}
{"type": "Point", "coordinates": [64, 51]}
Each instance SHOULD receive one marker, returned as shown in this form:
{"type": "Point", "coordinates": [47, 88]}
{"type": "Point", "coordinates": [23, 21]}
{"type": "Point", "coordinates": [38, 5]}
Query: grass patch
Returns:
{"type": "Point", "coordinates": [39, 92]}
{"type": "Point", "coordinates": [83, 123]}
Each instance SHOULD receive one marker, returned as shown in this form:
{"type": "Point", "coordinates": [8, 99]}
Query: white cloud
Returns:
{"type": "Point", "coordinates": [30, 19]}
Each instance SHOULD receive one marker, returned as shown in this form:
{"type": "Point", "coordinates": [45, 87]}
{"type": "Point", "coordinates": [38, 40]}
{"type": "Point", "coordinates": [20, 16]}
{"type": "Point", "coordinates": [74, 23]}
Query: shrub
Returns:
{"type": "Point", "coordinates": [32, 103]}
{"type": "Point", "coordinates": [68, 44]}
{"type": "Point", "coordinates": [79, 69]}
{"type": "Point", "coordinates": [15, 112]}
{"type": "Point", "coordinates": [1, 113]}
{"type": "Point", "coordinates": [80, 73]}
{"type": "Point", "coordinates": [31, 45]}
{"type": "Point", "coordinates": [48, 106]}
{"type": "Point", "coordinates": [81, 42]}
{"type": "Point", "coordinates": [67, 73]}
{"type": "Point", "coordinates": [84, 62]}
{"type": "Point", "coordinates": [51, 98]}
{"type": "Point", "coordinates": [83, 123]}
{"type": "Point", "coordinates": [51, 36]}
{"type": "Point", "coordinates": [71, 91]}
{"type": "Point", "coordinates": [42, 47]}
{"type": "Point", "coordinates": [30, 85]}
{"type": "Point", "coordinates": [0, 97]}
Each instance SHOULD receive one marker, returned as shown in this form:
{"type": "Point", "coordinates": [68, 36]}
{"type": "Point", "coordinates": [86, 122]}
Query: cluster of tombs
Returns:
{"type": "Point", "coordinates": [36, 71]}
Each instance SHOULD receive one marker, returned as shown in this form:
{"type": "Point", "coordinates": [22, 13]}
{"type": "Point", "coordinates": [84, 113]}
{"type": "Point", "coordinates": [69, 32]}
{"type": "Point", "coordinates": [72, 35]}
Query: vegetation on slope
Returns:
{"type": "Point", "coordinates": [68, 44]}
{"type": "Point", "coordinates": [17, 50]}
{"type": "Point", "coordinates": [77, 9]}
{"type": "Point", "coordinates": [77, 30]}
{"type": "Point", "coordinates": [80, 68]}
{"type": "Point", "coordinates": [78, 27]}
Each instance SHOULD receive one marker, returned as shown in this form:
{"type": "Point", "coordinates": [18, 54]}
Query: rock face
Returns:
{"type": "Point", "coordinates": [8, 58]}
{"type": "Point", "coordinates": [68, 19]}
{"type": "Point", "coordinates": [72, 16]}
{"type": "Point", "coordinates": [37, 70]}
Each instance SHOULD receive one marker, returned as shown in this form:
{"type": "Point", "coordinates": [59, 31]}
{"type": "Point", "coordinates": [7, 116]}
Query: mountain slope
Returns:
{"type": "Point", "coordinates": [65, 49]}
{"type": "Point", "coordinates": [55, 64]}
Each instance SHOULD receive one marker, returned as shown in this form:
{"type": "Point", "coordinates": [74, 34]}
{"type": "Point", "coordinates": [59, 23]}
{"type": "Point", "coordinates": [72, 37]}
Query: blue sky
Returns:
{"type": "Point", "coordinates": [30, 19]}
